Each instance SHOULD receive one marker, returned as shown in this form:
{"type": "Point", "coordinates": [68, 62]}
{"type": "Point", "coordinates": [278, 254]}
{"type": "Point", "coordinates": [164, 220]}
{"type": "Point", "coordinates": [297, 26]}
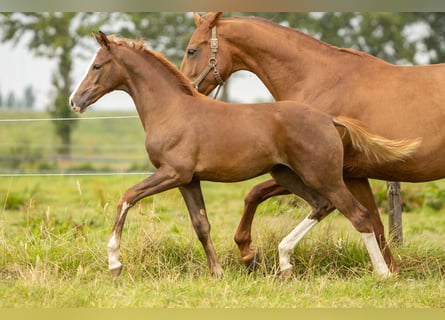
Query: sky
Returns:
{"type": "Point", "coordinates": [19, 68]}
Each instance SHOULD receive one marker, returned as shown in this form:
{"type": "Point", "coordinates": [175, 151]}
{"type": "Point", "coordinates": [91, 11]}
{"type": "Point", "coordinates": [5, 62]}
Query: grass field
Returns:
{"type": "Point", "coordinates": [53, 233]}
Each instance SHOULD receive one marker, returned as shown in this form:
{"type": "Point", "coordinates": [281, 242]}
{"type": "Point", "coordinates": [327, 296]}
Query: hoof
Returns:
{"type": "Point", "coordinates": [394, 268]}
{"type": "Point", "coordinates": [115, 273]}
{"type": "Point", "coordinates": [287, 273]}
{"type": "Point", "coordinates": [251, 261]}
{"type": "Point", "coordinates": [216, 272]}
{"type": "Point", "coordinates": [386, 275]}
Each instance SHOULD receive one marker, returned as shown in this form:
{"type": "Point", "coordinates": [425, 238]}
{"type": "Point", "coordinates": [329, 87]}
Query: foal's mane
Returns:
{"type": "Point", "coordinates": [139, 45]}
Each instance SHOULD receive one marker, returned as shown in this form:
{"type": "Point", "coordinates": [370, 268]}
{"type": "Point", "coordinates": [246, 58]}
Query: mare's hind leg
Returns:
{"type": "Point", "coordinates": [243, 234]}
{"type": "Point", "coordinates": [361, 190]}
{"type": "Point", "coordinates": [266, 190]}
{"type": "Point", "coordinates": [192, 195]}
{"type": "Point", "coordinates": [321, 207]}
{"type": "Point", "coordinates": [359, 216]}
{"type": "Point", "coordinates": [339, 196]}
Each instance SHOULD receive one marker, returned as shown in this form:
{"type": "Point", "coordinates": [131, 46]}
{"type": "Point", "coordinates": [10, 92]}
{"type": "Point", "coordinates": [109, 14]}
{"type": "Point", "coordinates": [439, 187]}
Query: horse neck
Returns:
{"type": "Point", "coordinates": [283, 59]}
{"type": "Point", "coordinates": [154, 89]}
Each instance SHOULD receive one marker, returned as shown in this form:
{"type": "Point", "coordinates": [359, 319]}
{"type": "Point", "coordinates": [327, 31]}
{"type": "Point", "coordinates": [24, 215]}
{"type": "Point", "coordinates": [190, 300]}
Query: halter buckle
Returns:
{"type": "Point", "coordinates": [214, 43]}
{"type": "Point", "coordinates": [213, 62]}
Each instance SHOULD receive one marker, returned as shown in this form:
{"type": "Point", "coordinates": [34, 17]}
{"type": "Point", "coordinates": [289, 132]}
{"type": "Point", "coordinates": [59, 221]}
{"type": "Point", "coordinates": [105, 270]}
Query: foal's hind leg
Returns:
{"type": "Point", "coordinates": [361, 190]}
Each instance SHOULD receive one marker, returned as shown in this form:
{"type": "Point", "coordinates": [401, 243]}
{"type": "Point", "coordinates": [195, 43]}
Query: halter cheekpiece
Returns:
{"type": "Point", "coordinates": [211, 65]}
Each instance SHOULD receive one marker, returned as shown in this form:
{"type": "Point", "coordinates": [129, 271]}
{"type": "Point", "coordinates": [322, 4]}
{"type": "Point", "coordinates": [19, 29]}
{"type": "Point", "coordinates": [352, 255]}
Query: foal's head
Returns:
{"type": "Point", "coordinates": [104, 75]}
{"type": "Point", "coordinates": [198, 53]}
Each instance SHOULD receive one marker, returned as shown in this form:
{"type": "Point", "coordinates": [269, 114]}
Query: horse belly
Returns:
{"type": "Point", "coordinates": [235, 165]}
{"type": "Point", "coordinates": [412, 170]}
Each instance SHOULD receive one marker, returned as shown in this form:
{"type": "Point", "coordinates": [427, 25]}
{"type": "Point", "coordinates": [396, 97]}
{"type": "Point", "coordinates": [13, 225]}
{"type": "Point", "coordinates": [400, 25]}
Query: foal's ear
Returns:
{"type": "Point", "coordinates": [102, 39]}
{"type": "Point", "coordinates": [197, 17]}
{"type": "Point", "coordinates": [211, 18]}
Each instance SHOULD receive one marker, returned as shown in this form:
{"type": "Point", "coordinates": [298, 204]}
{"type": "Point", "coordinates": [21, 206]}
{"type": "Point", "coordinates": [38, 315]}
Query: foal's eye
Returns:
{"type": "Point", "coordinates": [191, 52]}
{"type": "Point", "coordinates": [97, 67]}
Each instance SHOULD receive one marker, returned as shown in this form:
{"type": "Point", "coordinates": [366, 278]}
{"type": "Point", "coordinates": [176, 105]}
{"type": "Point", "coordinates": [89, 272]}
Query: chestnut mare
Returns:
{"type": "Point", "coordinates": [190, 137]}
{"type": "Point", "coordinates": [393, 101]}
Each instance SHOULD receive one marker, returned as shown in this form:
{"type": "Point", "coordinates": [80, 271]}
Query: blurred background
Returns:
{"type": "Point", "coordinates": [44, 55]}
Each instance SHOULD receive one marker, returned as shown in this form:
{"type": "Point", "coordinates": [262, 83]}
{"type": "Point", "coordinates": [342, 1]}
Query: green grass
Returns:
{"type": "Point", "coordinates": [53, 252]}
{"type": "Point", "coordinates": [53, 233]}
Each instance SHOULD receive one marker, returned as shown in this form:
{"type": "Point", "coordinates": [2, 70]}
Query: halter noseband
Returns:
{"type": "Point", "coordinates": [211, 65]}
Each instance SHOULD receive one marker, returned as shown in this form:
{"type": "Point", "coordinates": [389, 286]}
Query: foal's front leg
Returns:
{"type": "Point", "coordinates": [161, 180]}
{"type": "Point", "coordinates": [192, 195]}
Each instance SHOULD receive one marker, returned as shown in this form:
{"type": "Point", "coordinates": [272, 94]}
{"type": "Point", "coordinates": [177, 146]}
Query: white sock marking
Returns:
{"type": "Point", "coordinates": [113, 247]}
{"type": "Point", "coordinates": [287, 245]}
{"type": "Point", "coordinates": [113, 253]}
{"type": "Point", "coordinates": [375, 254]}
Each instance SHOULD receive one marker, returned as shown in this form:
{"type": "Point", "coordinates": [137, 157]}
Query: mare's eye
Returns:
{"type": "Point", "coordinates": [97, 67]}
{"type": "Point", "coordinates": [191, 52]}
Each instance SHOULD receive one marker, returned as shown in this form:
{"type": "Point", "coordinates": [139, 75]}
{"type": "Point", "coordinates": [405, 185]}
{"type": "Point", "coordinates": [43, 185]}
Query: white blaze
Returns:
{"type": "Point", "coordinates": [83, 78]}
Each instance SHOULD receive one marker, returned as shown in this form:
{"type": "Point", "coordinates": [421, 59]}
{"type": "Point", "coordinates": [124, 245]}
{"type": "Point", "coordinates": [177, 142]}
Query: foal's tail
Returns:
{"type": "Point", "coordinates": [376, 147]}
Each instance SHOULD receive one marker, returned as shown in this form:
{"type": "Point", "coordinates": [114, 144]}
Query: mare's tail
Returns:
{"type": "Point", "coordinates": [375, 147]}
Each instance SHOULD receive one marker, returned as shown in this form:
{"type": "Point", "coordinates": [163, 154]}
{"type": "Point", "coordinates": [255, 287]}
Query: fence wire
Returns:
{"type": "Point", "coordinates": [67, 174]}
{"type": "Point", "coordinates": [65, 119]}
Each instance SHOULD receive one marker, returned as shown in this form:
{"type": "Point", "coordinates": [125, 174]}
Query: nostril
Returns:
{"type": "Point", "coordinates": [71, 103]}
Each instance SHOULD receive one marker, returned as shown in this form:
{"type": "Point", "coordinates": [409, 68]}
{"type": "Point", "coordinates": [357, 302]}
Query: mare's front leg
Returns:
{"type": "Point", "coordinates": [161, 180]}
{"type": "Point", "coordinates": [192, 195]}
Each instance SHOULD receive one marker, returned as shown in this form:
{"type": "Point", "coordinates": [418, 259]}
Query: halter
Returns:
{"type": "Point", "coordinates": [211, 65]}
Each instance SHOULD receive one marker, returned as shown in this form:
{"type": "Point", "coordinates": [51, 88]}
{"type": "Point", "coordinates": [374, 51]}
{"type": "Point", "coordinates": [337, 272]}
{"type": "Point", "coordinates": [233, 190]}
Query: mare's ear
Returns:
{"type": "Point", "coordinates": [211, 18]}
{"type": "Point", "coordinates": [102, 39]}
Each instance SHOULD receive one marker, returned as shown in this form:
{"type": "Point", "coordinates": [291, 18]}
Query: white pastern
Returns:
{"type": "Point", "coordinates": [113, 253]}
{"type": "Point", "coordinates": [287, 245]}
{"type": "Point", "coordinates": [113, 247]}
{"type": "Point", "coordinates": [375, 254]}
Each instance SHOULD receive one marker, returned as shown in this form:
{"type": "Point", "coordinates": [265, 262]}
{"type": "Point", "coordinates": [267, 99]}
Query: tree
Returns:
{"type": "Point", "coordinates": [53, 35]}
{"type": "Point", "coordinates": [63, 35]}
{"type": "Point", "coordinates": [432, 42]}
{"type": "Point", "coordinates": [167, 32]}
{"type": "Point", "coordinates": [381, 34]}
{"type": "Point", "coordinates": [29, 97]}
{"type": "Point", "coordinates": [11, 101]}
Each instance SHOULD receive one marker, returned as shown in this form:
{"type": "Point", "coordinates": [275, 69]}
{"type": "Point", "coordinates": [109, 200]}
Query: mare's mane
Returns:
{"type": "Point", "coordinates": [139, 45]}
{"type": "Point", "coordinates": [303, 35]}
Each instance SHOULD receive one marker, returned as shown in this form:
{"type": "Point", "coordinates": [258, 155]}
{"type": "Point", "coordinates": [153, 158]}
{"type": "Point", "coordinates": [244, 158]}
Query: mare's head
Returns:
{"type": "Point", "coordinates": [198, 54]}
{"type": "Point", "coordinates": [103, 75]}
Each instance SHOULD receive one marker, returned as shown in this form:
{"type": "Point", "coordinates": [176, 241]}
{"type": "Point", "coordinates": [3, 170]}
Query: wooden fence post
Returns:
{"type": "Point", "coordinates": [395, 212]}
